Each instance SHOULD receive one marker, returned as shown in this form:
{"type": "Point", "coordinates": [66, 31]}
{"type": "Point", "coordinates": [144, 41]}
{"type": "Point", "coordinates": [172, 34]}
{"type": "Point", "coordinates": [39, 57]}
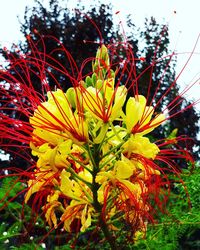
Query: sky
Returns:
{"type": "Point", "coordinates": [184, 26]}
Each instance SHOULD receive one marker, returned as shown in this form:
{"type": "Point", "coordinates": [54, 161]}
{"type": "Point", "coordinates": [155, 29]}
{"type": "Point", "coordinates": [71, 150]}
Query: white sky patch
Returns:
{"type": "Point", "coordinates": [3, 156]}
{"type": "Point", "coordinates": [183, 26]}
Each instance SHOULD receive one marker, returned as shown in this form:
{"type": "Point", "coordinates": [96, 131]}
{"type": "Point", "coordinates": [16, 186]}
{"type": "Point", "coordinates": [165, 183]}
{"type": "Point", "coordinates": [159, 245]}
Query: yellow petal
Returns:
{"type": "Point", "coordinates": [93, 101]}
{"type": "Point", "coordinates": [102, 133]}
{"type": "Point", "coordinates": [108, 89]}
{"type": "Point", "coordinates": [50, 213]}
{"type": "Point", "coordinates": [148, 112]}
{"type": "Point", "coordinates": [34, 186]}
{"type": "Point", "coordinates": [132, 113]}
{"type": "Point", "coordinates": [85, 218]}
{"type": "Point", "coordinates": [124, 169]}
{"type": "Point", "coordinates": [53, 197]}
{"type": "Point", "coordinates": [66, 183]}
{"type": "Point", "coordinates": [141, 100]}
{"type": "Point", "coordinates": [138, 144]}
{"type": "Point", "coordinates": [159, 119]}
{"type": "Point", "coordinates": [120, 97]}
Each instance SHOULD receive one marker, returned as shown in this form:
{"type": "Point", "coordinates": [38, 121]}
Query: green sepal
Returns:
{"type": "Point", "coordinates": [88, 81]}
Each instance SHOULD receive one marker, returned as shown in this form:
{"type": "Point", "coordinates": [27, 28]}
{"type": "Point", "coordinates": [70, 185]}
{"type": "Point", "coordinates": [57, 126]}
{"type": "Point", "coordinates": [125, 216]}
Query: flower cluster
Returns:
{"type": "Point", "coordinates": [94, 163]}
{"type": "Point", "coordinates": [94, 158]}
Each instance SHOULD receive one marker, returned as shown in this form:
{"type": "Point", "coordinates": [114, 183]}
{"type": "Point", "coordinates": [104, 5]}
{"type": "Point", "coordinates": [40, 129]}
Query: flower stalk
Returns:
{"type": "Point", "coordinates": [94, 158]}
{"type": "Point", "coordinates": [98, 206]}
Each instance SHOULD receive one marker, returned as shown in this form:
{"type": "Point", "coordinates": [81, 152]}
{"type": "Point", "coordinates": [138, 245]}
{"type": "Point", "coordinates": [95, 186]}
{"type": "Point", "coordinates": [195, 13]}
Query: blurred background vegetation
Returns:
{"type": "Point", "coordinates": [179, 228]}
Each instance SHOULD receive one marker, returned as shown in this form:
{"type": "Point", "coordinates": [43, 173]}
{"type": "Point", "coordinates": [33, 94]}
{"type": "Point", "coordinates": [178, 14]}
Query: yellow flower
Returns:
{"type": "Point", "coordinates": [56, 117]}
{"type": "Point", "coordinates": [41, 180]}
{"type": "Point", "coordinates": [124, 168]}
{"type": "Point", "coordinates": [119, 179]}
{"type": "Point", "coordinates": [50, 215]}
{"type": "Point", "coordinates": [55, 157]}
{"type": "Point", "coordinates": [76, 189]}
{"type": "Point", "coordinates": [93, 102]}
{"type": "Point", "coordinates": [140, 145]}
{"type": "Point", "coordinates": [138, 116]}
{"type": "Point", "coordinates": [52, 205]}
{"type": "Point", "coordinates": [105, 104]}
{"type": "Point", "coordinates": [81, 204]}
{"type": "Point", "coordinates": [120, 97]}
{"type": "Point", "coordinates": [53, 137]}
{"type": "Point", "coordinates": [77, 211]}
{"type": "Point", "coordinates": [86, 217]}
{"type": "Point", "coordinates": [54, 113]}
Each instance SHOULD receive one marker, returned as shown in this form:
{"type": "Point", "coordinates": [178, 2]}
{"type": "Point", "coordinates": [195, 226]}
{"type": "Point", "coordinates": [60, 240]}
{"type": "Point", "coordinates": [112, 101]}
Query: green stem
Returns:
{"type": "Point", "coordinates": [79, 162]}
{"type": "Point", "coordinates": [97, 205]}
{"type": "Point", "coordinates": [76, 176]}
{"type": "Point", "coordinates": [110, 159]}
{"type": "Point", "coordinates": [111, 240]}
{"type": "Point", "coordinates": [112, 150]}
{"type": "Point", "coordinates": [116, 133]}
